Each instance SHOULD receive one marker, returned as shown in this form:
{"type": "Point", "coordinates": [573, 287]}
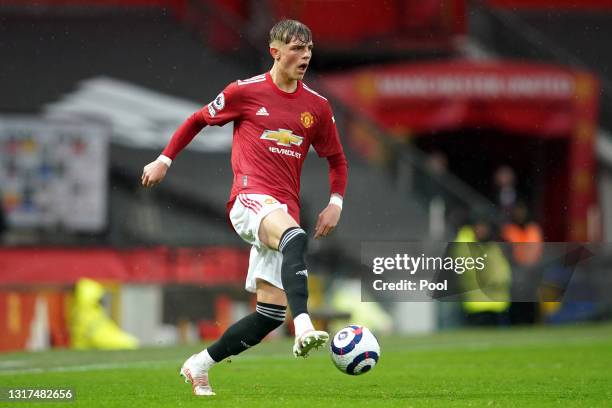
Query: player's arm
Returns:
{"type": "Point", "coordinates": [327, 144]}
{"type": "Point", "coordinates": [154, 172]}
{"type": "Point", "coordinates": [223, 109]}
{"type": "Point", "coordinates": [338, 176]}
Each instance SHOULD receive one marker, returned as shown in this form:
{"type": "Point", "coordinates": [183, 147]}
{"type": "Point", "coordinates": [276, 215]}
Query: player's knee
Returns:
{"type": "Point", "coordinates": [268, 293]}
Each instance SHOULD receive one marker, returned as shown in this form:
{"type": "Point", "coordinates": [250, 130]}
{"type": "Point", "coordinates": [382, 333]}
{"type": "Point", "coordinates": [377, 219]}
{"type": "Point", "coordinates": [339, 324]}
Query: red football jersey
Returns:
{"type": "Point", "coordinates": [273, 131]}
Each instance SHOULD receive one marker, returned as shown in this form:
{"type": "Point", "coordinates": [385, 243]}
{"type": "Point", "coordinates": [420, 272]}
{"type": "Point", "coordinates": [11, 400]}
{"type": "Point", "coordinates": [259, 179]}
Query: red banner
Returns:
{"type": "Point", "coordinates": [415, 98]}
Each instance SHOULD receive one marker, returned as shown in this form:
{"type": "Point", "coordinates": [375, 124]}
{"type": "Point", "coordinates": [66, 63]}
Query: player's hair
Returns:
{"type": "Point", "coordinates": [285, 30]}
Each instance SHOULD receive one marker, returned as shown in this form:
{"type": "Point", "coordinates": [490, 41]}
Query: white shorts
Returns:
{"type": "Point", "coordinates": [246, 215]}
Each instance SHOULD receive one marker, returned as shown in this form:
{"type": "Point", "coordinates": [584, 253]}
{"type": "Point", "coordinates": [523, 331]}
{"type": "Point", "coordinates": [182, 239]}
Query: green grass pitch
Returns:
{"type": "Point", "coordinates": [567, 366]}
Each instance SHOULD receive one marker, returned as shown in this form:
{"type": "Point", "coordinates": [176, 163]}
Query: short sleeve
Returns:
{"type": "Point", "coordinates": [327, 140]}
{"type": "Point", "coordinates": [225, 108]}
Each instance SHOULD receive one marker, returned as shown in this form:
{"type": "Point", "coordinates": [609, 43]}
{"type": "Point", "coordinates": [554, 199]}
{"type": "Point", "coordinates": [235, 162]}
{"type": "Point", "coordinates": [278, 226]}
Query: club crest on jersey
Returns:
{"type": "Point", "coordinates": [307, 119]}
{"type": "Point", "coordinates": [282, 137]}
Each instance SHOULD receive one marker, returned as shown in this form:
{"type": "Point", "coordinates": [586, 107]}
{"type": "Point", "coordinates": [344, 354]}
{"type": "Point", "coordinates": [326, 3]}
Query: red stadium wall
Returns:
{"type": "Point", "coordinates": [17, 308]}
{"type": "Point", "coordinates": [33, 275]}
{"type": "Point", "coordinates": [53, 266]}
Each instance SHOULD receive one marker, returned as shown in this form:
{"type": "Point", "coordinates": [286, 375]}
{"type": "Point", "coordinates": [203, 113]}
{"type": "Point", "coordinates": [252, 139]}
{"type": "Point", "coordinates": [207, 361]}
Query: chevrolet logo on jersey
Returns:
{"type": "Point", "coordinates": [282, 137]}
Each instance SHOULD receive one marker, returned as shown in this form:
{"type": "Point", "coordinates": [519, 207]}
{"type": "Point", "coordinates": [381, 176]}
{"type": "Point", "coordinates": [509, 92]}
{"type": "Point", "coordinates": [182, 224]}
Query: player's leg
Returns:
{"type": "Point", "coordinates": [270, 294]}
{"type": "Point", "coordinates": [242, 335]}
{"type": "Point", "coordinates": [274, 225]}
{"type": "Point", "coordinates": [263, 278]}
{"type": "Point", "coordinates": [278, 230]}
{"type": "Point", "coordinates": [251, 329]}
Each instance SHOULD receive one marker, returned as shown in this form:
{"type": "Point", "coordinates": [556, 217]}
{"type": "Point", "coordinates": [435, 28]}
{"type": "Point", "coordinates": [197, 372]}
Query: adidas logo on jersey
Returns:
{"type": "Point", "coordinates": [262, 112]}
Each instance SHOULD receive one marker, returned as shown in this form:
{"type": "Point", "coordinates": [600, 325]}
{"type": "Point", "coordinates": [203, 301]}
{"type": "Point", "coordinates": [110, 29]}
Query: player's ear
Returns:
{"type": "Point", "coordinates": [274, 52]}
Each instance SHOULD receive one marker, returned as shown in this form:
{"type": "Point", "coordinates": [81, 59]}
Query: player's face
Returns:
{"type": "Point", "coordinates": [294, 58]}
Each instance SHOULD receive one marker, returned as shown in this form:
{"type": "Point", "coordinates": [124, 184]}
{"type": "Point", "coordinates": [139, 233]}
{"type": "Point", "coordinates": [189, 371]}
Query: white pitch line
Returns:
{"type": "Point", "coordinates": [12, 363]}
{"type": "Point", "coordinates": [90, 367]}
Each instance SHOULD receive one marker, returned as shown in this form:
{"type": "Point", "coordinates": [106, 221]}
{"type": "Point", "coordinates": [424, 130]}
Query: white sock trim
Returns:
{"type": "Point", "coordinates": [280, 316]}
{"type": "Point", "coordinates": [288, 237]}
{"type": "Point", "coordinates": [302, 324]}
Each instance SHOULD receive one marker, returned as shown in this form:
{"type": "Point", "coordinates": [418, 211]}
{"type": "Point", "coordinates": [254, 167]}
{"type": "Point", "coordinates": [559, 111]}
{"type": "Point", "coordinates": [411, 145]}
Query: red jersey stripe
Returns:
{"type": "Point", "coordinates": [241, 198]}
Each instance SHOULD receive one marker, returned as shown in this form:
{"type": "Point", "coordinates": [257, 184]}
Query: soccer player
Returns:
{"type": "Point", "coordinates": [276, 120]}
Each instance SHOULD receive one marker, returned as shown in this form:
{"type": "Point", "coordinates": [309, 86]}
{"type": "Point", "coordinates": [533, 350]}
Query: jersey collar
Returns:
{"type": "Point", "coordinates": [279, 91]}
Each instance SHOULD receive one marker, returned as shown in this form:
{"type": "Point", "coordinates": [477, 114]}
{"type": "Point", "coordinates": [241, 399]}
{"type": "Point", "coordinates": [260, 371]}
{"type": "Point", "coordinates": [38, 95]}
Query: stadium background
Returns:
{"type": "Point", "coordinates": [431, 98]}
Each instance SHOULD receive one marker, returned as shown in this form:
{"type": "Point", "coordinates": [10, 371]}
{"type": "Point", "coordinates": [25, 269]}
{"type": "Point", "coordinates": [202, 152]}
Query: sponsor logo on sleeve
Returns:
{"type": "Point", "coordinates": [219, 102]}
{"type": "Point", "coordinates": [211, 110]}
{"type": "Point", "coordinates": [216, 105]}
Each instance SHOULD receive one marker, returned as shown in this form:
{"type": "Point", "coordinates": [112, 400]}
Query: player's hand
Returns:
{"type": "Point", "coordinates": [153, 173]}
{"type": "Point", "coordinates": [327, 221]}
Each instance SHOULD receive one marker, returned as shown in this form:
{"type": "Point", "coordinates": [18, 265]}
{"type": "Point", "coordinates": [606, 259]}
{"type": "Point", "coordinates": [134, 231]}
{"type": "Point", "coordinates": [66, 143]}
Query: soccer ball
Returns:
{"type": "Point", "coordinates": [354, 350]}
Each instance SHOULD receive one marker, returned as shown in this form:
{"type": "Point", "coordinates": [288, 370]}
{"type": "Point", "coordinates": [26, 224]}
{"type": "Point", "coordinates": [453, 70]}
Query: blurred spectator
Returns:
{"type": "Point", "coordinates": [525, 237]}
{"type": "Point", "coordinates": [437, 163]}
{"type": "Point", "coordinates": [437, 167]}
{"type": "Point", "coordinates": [486, 292]}
{"type": "Point", "coordinates": [505, 189]}
{"type": "Point", "coordinates": [521, 229]}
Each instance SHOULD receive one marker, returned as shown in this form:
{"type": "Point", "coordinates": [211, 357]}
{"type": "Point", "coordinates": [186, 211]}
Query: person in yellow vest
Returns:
{"type": "Point", "coordinates": [525, 237]}
{"type": "Point", "coordinates": [486, 291]}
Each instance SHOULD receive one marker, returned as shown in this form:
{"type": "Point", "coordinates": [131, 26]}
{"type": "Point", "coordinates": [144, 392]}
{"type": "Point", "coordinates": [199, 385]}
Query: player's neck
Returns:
{"type": "Point", "coordinates": [282, 80]}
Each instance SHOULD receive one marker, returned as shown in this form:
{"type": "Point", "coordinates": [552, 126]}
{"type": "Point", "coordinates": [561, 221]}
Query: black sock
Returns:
{"type": "Point", "coordinates": [294, 275]}
{"type": "Point", "coordinates": [248, 331]}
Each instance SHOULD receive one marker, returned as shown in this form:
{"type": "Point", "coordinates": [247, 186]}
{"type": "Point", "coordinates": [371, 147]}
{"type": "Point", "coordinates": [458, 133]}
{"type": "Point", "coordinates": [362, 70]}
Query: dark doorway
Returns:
{"type": "Point", "coordinates": [539, 164]}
